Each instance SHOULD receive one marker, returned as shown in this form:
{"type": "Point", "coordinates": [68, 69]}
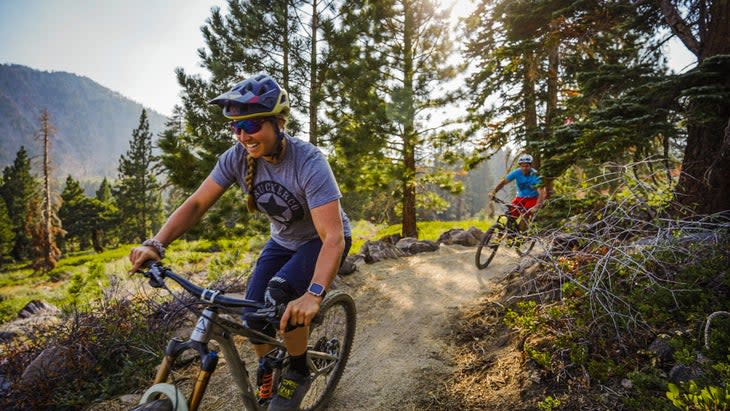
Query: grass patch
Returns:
{"type": "Point", "coordinates": [431, 230]}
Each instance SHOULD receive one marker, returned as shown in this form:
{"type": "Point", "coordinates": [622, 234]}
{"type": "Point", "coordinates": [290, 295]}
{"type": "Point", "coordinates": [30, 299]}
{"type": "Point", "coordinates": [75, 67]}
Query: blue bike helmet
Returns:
{"type": "Point", "coordinates": [257, 96]}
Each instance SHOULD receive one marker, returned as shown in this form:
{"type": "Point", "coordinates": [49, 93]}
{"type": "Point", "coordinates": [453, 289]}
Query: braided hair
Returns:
{"type": "Point", "coordinates": [251, 165]}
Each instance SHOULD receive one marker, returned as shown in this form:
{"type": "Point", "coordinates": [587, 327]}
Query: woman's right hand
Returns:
{"type": "Point", "coordinates": [139, 255]}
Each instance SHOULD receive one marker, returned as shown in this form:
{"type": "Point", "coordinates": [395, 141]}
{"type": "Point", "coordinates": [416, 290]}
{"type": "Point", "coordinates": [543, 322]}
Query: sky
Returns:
{"type": "Point", "coordinates": [129, 46]}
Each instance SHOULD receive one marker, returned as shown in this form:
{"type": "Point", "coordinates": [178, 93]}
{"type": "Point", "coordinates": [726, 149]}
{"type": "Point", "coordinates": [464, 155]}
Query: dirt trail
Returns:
{"type": "Point", "coordinates": [400, 351]}
{"type": "Point", "coordinates": [404, 310]}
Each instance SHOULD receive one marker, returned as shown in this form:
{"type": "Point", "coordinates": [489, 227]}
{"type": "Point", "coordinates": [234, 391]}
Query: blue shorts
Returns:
{"type": "Point", "coordinates": [295, 267]}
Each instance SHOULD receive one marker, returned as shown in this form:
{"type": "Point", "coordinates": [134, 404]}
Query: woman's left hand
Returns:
{"type": "Point", "coordinates": [300, 312]}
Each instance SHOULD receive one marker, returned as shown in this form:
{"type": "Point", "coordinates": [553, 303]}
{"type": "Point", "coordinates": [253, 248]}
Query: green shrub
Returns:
{"type": "Point", "coordinates": [525, 318]}
{"type": "Point", "coordinates": [690, 396]}
{"type": "Point", "coordinates": [112, 348]}
{"type": "Point", "coordinates": [549, 404]}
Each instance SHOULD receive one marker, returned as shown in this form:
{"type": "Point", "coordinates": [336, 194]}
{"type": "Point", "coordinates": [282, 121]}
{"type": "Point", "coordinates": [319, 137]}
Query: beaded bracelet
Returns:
{"type": "Point", "coordinates": [156, 245]}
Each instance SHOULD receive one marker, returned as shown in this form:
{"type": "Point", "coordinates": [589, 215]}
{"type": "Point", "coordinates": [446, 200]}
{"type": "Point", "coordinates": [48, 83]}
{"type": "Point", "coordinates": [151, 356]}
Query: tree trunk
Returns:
{"type": "Point", "coordinates": [96, 240]}
{"type": "Point", "coordinates": [703, 186]}
{"type": "Point", "coordinates": [528, 88]}
{"type": "Point", "coordinates": [313, 83]}
{"type": "Point", "coordinates": [409, 227]}
{"type": "Point", "coordinates": [50, 250]}
{"type": "Point", "coordinates": [553, 84]}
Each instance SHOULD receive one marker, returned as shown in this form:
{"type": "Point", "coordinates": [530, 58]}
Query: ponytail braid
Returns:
{"type": "Point", "coordinates": [250, 174]}
{"type": "Point", "coordinates": [251, 165]}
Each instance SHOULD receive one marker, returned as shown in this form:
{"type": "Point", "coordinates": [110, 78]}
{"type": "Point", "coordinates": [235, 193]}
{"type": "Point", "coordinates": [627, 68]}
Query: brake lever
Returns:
{"type": "Point", "coordinates": [155, 275]}
{"type": "Point", "coordinates": [280, 313]}
{"type": "Point", "coordinates": [273, 315]}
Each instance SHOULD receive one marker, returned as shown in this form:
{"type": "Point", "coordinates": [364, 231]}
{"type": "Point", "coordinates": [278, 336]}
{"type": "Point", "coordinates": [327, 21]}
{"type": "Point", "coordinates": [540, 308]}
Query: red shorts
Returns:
{"type": "Point", "coordinates": [524, 204]}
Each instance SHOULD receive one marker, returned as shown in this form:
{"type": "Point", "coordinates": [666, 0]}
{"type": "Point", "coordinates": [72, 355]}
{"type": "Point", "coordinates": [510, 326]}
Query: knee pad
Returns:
{"type": "Point", "coordinates": [277, 292]}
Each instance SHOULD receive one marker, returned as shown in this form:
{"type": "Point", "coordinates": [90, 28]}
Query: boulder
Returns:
{"type": "Point", "coordinates": [35, 315]}
{"type": "Point", "coordinates": [459, 236]}
{"type": "Point", "coordinates": [351, 263]}
{"type": "Point", "coordinates": [50, 364]}
{"type": "Point", "coordinates": [37, 307]}
{"type": "Point", "coordinates": [374, 251]}
{"type": "Point", "coordinates": [410, 245]}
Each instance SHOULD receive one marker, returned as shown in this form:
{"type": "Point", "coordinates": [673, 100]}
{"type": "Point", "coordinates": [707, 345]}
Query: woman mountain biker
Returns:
{"type": "Point", "coordinates": [530, 191]}
{"type": "Point", "coordinates": [290, 181]}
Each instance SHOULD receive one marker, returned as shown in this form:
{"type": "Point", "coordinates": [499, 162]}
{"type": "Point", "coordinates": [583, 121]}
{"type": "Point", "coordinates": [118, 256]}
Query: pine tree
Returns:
{"type": "Point", "coordinates": [137, 193]}
{"type": "Point", "coordinates": [7, 235]}
{"type": "Point", "coordinates": [704, 29]}
{"type": "Point", "coordinates": [283, 39]}
{"type": "Point", "coordinates": [71, 216]}
{"type": "Point", "coordinates": [104, 193]}
{"type": "Point", "coordinates": [397, 84]}
{"type": "Point", "coordinates": [85, 219]}
{"type": "Point", "coordinates": [18, 189]}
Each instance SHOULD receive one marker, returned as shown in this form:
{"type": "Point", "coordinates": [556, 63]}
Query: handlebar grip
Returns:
{"type": "Point", "coordinates": [154, 273]}
{"type": "Point", "coordinates": [272, 315]}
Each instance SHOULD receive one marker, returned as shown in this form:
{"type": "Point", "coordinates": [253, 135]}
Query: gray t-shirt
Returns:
{"type": "Point", "coordinates": [286, 191]}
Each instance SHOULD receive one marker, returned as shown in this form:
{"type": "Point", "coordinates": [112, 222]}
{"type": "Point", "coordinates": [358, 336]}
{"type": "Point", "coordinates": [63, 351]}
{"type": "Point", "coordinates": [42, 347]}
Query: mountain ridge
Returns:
{"type": "Point", "coordinates": [93, 124]}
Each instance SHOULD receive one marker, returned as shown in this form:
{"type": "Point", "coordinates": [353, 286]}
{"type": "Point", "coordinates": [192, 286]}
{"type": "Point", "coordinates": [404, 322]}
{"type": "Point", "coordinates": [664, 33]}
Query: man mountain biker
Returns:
{"type": "Point", "coordinates": [530, 190]}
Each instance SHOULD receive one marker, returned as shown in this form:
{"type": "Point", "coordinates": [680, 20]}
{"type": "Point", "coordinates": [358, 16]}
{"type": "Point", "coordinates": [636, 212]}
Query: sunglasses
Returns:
{"type": "Point", "coordinates": [249, 126]}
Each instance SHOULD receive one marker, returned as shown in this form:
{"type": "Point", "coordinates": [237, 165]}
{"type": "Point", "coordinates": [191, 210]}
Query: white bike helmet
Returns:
{"type": "Point", "coordinates": [525, 158]}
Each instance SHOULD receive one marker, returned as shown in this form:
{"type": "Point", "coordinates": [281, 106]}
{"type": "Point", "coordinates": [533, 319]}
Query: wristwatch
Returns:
{"type": "Point", "coordinates": [316, 290]}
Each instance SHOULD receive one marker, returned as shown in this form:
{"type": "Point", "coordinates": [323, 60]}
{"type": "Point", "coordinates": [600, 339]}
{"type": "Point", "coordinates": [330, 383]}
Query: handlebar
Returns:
{"type": "Point", "coordinates": [156, 273]}
{"type": "Point", "coordinates": [510, 206]}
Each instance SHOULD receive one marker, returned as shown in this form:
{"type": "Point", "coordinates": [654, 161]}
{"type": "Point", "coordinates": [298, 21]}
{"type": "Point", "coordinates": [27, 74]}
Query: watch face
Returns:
{"type": "Point", "coordinates": [316, 289]}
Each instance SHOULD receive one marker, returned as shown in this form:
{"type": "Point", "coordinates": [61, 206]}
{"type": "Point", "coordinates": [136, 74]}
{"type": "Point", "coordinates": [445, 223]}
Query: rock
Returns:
{"type": "Point", "coordinates": [130, 399]}
{"type": "Point", "coordinates": [459, 236]}
{"type": "Point", "coordinates": [348, 266]}
{"type": "Point", "coordinates": [34, 316]}
{"type": "Point", "coordinates": [424, 246]}
{"type": "Point", "coordinates": [683, 372]}
{"type": "Point", "coordinates": [390, 239]}
{"type": "Point", "coordinates": [477, 233]}
{"type": "Point", "coordinates": [37, 307]}
{"type": "Point", "coordinates": [661, 349]}
{"type": "Point", "coordinates": [6, 336]}
{"type": "Point", "coordinates": [48, 365]}
{"type": "Point", "coordinates": [5, 385]}
{"type": "Point", "coordinates": [410, 245]}
{"type": "Point", "coordinates": [374, 251]}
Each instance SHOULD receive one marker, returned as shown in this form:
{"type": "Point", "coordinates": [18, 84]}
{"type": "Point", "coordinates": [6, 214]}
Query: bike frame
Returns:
{"type": "Point", "coordinates": [211, 325]}
{"type": "Point", "coordinates": [508, 221]}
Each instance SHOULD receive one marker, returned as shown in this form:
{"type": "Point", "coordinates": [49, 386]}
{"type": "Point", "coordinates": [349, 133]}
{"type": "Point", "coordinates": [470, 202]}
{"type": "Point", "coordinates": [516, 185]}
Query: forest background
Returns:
{"type": "Point", "coordinates": [404, 112]}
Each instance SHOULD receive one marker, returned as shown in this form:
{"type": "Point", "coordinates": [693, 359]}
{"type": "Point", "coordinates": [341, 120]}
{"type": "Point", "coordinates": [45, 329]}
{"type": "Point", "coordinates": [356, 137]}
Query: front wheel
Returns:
{"type": "Point", "coordinates": [489, 245]}
{"type": "Point", "coordinates": [156, 405]}
{"type": "Point", "coordinates": [523, 245]}
{"type": "Point", "coordinates": [331, 335]}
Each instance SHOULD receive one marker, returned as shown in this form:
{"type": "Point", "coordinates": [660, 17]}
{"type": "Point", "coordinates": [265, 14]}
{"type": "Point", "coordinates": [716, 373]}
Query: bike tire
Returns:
{"type": "Point", "coordinates": [333, 331]}
{"type": "Point", "coordinates": [488, 246]}
{"type": "Point", "coordinates": [156, 405]}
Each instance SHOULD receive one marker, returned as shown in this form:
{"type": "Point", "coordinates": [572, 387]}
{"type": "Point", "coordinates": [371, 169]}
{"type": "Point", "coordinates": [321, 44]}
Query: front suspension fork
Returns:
{"type": "Point", "coordinates": [199, 342]}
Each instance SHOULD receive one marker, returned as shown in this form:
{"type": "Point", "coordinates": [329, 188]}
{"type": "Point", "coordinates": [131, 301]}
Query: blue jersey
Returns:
{"type": "Point", "coordinates": [526, 184]}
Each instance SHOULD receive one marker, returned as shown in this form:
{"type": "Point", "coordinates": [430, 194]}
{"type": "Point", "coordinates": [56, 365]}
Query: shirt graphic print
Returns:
{"type": "Point", "coordinates": [278, 202]}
